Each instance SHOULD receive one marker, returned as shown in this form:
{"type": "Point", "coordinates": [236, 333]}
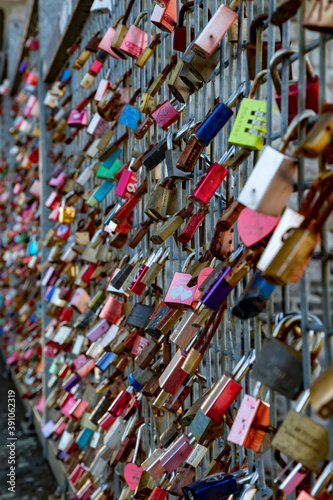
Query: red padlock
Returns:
{"type": "Point", "coordinates": [165, 114]}
{"type": "Point", "coordinates": [312, 86]}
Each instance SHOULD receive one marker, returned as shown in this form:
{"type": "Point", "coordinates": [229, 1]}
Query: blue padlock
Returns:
{"type": "Point", "coordinates": [84, 437]}
{"type": "Point", "coordinates": [65, 75]}
{"type": "Point", "coordinates": [111, 159]}
{"type": "Point", "coordinates": [254, 298]}
{"type": "Point", "coordinates": [216, 486]}
{"type": "Point", "coordinates": [214, 122]}
{"type": "Point", "coordinates": [103, 190]}
{"type": "Point", "coordinates": [49, 292]}
{"type": "Point", "coordinates": [32, 247]}
{"type": "Point", "coordinates": [130, 116]}
{"type": "Point", "coordinates": [105, 360]}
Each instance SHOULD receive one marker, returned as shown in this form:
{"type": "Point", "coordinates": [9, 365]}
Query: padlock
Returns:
{"type": "Point", "coordinates": [285, 10]}
{"type": "Point", "coordinates": [219, 485]}
{"type": "Point", "coordinates": [222, 243]}
{"type": "Point", "coordinates": [312, 86]}
{"type": "Point", "coordinates": [177, 452]}
{"type": "Point", "coordinates": [132, 472]}
{"type": "Point", "coordinates": [192, 225]}
{"type": "Point", "coordinates": [251, 422]}
{"type": "Point", "coordinates": [165, 18]}
{"type": "Point", "coordinates": [130, 204]}
{"type": "Point", "coordinates": [157, 204]}
{"type": "Point", "coordinates": [190, 155]}
{"type": "Point", "coordinates": [299, 243]}
{"type": "Point", "coordinates": [211, 180]}
{"type": "Point", "coordinates": [105, 43]}
{"type": "Point", "coordinates": [101, 7]}
{"type": "Point", "coordinates": [322, 481]}
{"type": "Point", "coordinates": [270, 197]}
{"type": "Point", "coordinates": [251, 46]}
{"type": "Point", "coordinates": [254, 298]}
{"type": "Point", "coordinates": [179, 295]}
{"type": "Point", "coordinates": [148, 52]}
{"type": "Point", "coordinates": [301, 438]}
{"type": "Point", "coordinates": [137, 286]}
{"type": "Point", "coordinates": [155, 86]}
{"type": "Point", "coordinates": [249, 128]}
{"type": "Point", "coordinates": [171, 225]}
{"type": "Point", "coordinates": [180, 41]}
{"type": "Point", "coordinates": [320, 135]}
{"type": "Point", "coordinates": [155, 269]}
{"type": "Point", "coordinates": [140, 232]}
{"type": "Point", "coordinates": [136, 39]}
{"type": "Point", "coordinates": [121, 31]}
{"type": "Point", "coordinates": [165, 114]}
{"type": "Point", "coordinates": [318, 17]}
{"type": "Point", "coordinates": [179, 89]}
{"type": "Point", "coordinates": [201, 67]}
{"type": "Point", "coordinates": [175, 401]}
{"type": "Point", "coordinates": [321, 394]}
{"type": "Point", "coordinates": [67, 214]}
{"type": "Point", "coordinates": [233, 32]}
{"type": "Point", "coordinates": [285, 373]}
{"type": "Point", "coordinates": [130, 115]}
{"type": "Point", "coordinates": [226, 389]}
{"type": "Point", "coordinates": [218, 118]}
{"type": "Point", "coordinates": [208, 40]}
{"type": "Point", "coordinates": [143, 127]}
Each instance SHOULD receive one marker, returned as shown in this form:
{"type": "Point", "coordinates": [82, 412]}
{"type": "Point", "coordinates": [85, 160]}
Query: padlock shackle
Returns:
{"type": "Point", "coordinates": [187, 6]}
{"type": "Point", "coordinates": [273, 64]}
{"type": "Point", "coordinates": [323, 480]}
{"type": "Point", "coordinates": [118, 21]}
{"type": "Point", "coordinates": [127, 12]}
{"type": "Point", "coordinates": [256, 83]}
{"type": "Point", "coordinates": [257, 23]}
{"type": "Point", "coordinates": [299, 120]}
{"type": "Point", "coordinates": [134, 96]}
{"type": "Point", "coordinates": [142, 15]}
{"type": "Point", "coordinates": [236, 95]}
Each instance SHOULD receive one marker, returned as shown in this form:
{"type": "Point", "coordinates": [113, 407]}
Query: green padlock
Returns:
{"type": "Point", "coordinates": [249, 129]}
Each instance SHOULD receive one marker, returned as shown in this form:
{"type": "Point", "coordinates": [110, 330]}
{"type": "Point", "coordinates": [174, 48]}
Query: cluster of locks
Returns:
{"type": "Point", "coordinates": [129, 190]}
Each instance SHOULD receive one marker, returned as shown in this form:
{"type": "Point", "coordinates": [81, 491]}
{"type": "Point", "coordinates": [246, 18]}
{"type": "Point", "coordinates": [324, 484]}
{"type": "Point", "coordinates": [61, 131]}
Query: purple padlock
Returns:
{"type": "Point", "coordinates": [72, 382]}
{"type": "Point", "coordinates": [23, 66]}
{"type": "Point", "coordinates": [214, 296]}
{"type": "Point", "coordinates": [98, 330]}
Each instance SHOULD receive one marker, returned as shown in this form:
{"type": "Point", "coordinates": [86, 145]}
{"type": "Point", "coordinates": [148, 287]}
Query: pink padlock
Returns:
{"type": "Point", "coordinates": [77, 119]}
{"type": "Point", "coordinates": [165, 18]}
{"type": "Point", "coordinates": [54, 215]}
{"type": "Point", "coordinates": [17, 188]}
{"type": "Point", "coordinates": [96, 67]}
{"type": "Point", "coordinates": [105, 43]}
{"type": "Point", "coordinates": [249, 426]}
{"type": "Point", "coordinates": [98, 330]}
{"type": "Point", "coordinates": [127, 183]}
{"type": "Point", "coordinates": [29, 105]}
{"type": "Point", "coordinates": [179, 295]}
{"type": "Point", "coordinates": [177, 453]}
{"type": "Point", "coordinates": [136, 39]}
{"type": "Point", "coordinates": [208, 40]}
{"type": "Point", "coordinates": [173, 376]}
{"type": "Point", "coordinates": [86, 368]}
{"type": "Point", "coordinates": [112, 310]}
{"type": "Point", "coordinates": [165, 114]}
{"type": "Point", "coordinates": [103, 86]}
{"type": "Point", "coordinates": [80, 299]}
{"type": "Point", "coordinates": [79, 361]}
{"type": "Point", "coordinates": [53, 200]}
